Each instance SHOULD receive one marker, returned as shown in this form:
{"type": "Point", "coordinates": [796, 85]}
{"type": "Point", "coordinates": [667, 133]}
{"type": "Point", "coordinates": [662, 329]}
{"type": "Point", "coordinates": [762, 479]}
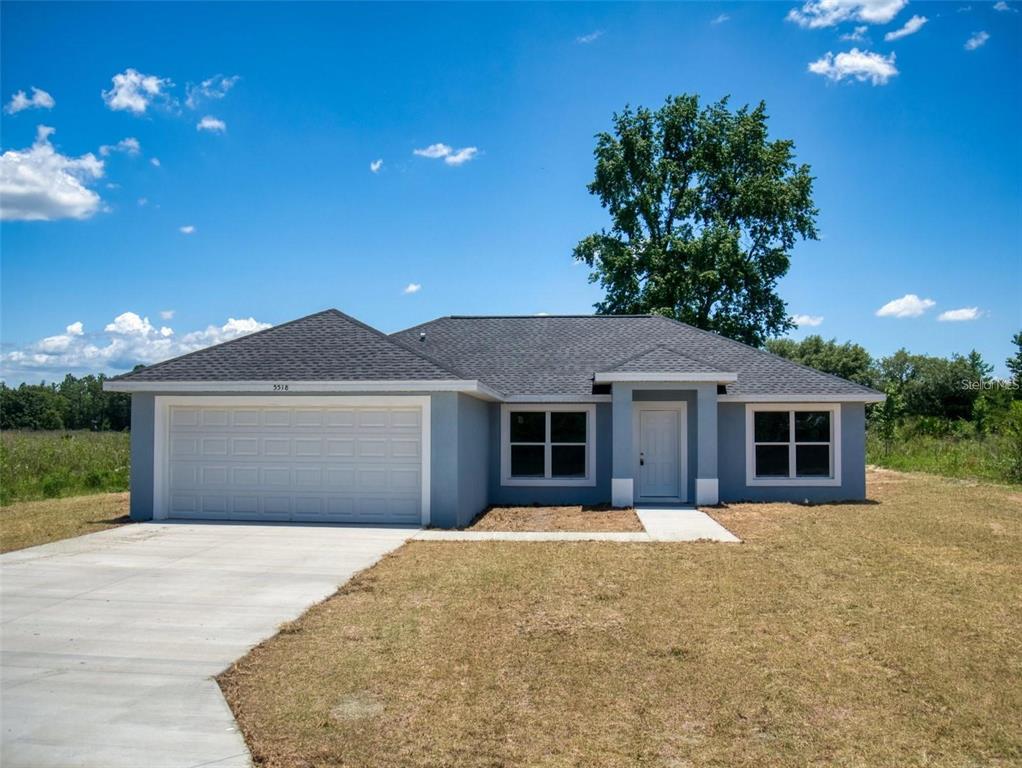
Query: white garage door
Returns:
{"type": "Point", "coordinates": [333, 463]}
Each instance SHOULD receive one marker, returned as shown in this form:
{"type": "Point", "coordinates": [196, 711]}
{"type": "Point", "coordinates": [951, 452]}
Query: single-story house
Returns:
{"type": "Point", "coordinates": [327, 419]}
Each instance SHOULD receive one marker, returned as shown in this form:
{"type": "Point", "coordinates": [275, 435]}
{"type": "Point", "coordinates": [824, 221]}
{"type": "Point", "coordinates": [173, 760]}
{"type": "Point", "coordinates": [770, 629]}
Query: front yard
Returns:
{"type": "Point", "coordinates": [869, 634]}
{"type": "Point", "coordinates": [29, 523]}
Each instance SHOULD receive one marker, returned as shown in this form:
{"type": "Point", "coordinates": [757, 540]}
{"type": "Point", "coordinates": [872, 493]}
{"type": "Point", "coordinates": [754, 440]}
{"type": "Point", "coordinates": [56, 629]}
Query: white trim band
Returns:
{"type": "Point", "coordinates": [284, 388]}
{"type": "Point", "coordinates": [624, 376]}
{"type": "Point", "coordinates": [879, 397]}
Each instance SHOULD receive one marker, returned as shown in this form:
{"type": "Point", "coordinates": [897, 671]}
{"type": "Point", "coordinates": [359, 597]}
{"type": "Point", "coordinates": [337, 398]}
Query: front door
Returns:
{"type": "Point", "coordinates": [659, 453]}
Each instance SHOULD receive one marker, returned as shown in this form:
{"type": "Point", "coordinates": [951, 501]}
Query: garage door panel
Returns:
{"type": "Point", "coordinates": [334, 463]}
{"type": "Point", "coordinates": [340, 446]}
{"type": "Point", "coordinates": [245, 446]}
{"type": "Point", "coordinates": [246, 417]}
{"type": "Point", "coordinates": [339, 417]}
{"type": "Point", "coordinates": [277, 417]}
{"type": "Point", "coordinates": [214, 446]}
{"type": "Point", "coordinates": [372, 448]}
{"type": "Point", "coordinates": [308, 446]}
{"type": "Point", "coordinates": [214, 476]}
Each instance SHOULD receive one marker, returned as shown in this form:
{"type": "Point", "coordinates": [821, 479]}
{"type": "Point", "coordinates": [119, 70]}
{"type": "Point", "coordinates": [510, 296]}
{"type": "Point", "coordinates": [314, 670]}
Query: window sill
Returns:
{"type": "Point", "coordinates": [793, 482]}
{"type": "Point", "coordinates": [555, 482]}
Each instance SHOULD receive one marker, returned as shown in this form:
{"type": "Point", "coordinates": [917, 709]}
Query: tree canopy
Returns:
{"type": "Point", "coordinates": [705, 210]}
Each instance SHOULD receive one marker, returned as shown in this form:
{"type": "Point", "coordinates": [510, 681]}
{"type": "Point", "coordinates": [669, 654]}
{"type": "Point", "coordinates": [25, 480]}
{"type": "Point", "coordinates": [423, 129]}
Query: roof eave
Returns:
{"type": "Point", "coordinates": [472, 387]}
{"type": "Point", "coordinates": [809, 397]}
{"type": "Point", "coordinates": [719, 377]}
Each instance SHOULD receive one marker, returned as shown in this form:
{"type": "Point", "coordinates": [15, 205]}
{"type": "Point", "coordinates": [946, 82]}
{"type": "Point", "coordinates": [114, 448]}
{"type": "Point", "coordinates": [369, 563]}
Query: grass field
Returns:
{"type": "Point", "coordinates": [874, 634]}
{"type": "Point", "coordinates": [29, 523]}
{"type": "Point", "coordinates": [987, 458]}
{"type": "Point", "coordinates": [48, 465]}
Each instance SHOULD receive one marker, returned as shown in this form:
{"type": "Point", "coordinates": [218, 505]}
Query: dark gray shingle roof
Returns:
{"type": "Point", "coordinates": [327, 346]}
{"type": "Point", "coordinates": [662, 359]}
{"type": "Point", "coordinates": [551, 355]}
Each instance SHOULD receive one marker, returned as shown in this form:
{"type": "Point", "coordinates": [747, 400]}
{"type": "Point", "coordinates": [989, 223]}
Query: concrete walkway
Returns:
{"type": "Point", "coordinates": [682, 524]}
{"type": "Point", "coordinates": [109, 642]}
{"type": "Point", "coordinates": [661, 524]}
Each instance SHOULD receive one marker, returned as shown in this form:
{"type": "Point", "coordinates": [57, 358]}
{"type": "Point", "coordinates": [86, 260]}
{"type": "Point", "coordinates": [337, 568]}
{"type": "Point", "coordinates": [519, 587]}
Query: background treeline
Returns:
{"type": "Point", "coordinates": [73, 404]}
{"type": "Point", "coordinates": [945, 415]}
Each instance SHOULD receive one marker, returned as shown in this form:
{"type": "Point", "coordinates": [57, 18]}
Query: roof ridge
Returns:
{"type": "Point", "coordinates": [162, 363]}
{"type": "Point", "coordinates": [405, 346]}
{"type": "Point", "coordinates": [523, 317]}
{"type": "Point", "coordinates": [771, 354]}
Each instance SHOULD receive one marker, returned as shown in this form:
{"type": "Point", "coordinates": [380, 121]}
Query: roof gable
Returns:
{"type": "Point", "coordinates": [662, 359]}
{"type": "Point", "coordinates": [326, 346]}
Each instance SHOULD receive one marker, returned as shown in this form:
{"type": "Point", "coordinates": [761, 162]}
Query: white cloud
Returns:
{"type": "Point", "coordinates": [720, 19]}
{"type": "Point", "coordinates": [129, 146]}
{"type": "Point", "coordinates": [450, 155]}
{"type": "Point", "coordinates": [39, 99]}
{"type": "Point", "coordinates": [592, 37]}
{"type": "Point", "coordinates": [40, 184]}
{"type": "Point", "coordinates": [433, 150]}
{"type": "Point", "coordinates": [978, 40]}
{"type": "Point", "coordinates": [143, 202]}
{"type": "Point", "coordinates": [862, 65]}
{"type": "Point", "coordinates": [155, 161]}
{"type": "Point", "coordinates": [212, 124]}
{"type": "Point", "coordinates": [376, 165]}
{"type": "Point", "coordinates": [856, 35]}
{"type": "Point", "coordinates": [908, 305]}
{"type": "Point", "coordinates": [462, 155]}
{"type": "Point", "coordinates": [128, 340]}
{"type": "Point", "coordinates": [187, 229]}
{"type": "Point", "coordinates": [959, 315]}
{"type": "Point", "coordinates": [213, 89]}
{"type": "Point", "coordinates": [412, 288]}
{"type": "Point", "coordinates": [826, 13]}
{"type": "Point", "coordinates": [167, 314]}
{"type": "Point", "coordinates": [910, 27]}
{"type": "Point", "coordinates": [807, 320]}
{"type": "Point", "coordinates": [134, 92]}
{"type": "Point", "coordinates": [1003, 7]}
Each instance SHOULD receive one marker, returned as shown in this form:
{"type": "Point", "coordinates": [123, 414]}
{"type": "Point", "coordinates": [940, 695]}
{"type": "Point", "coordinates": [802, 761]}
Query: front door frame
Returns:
{"type": "Point", "coordinates": [681, 407]}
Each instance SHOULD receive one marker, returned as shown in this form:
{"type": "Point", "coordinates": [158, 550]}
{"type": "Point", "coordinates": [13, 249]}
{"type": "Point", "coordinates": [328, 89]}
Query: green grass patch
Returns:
{"type": "Point", "coordinates": [987, 457]}
{"type": "Point", "coordinates": [50, 465]}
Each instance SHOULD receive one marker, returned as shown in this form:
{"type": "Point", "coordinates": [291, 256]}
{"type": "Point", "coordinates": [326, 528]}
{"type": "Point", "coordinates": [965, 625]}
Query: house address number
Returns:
{"type": "Point", "coordinates": [280, 387]}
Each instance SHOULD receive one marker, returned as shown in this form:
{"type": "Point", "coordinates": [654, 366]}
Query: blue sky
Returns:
{"type": "Point", "coordinates": [913, 139]}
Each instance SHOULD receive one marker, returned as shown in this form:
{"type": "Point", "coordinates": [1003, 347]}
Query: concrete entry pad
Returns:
{"type": "Point", "coordinates": [682, 524]}
{"type": "Point", "coordinates": [109, 642]}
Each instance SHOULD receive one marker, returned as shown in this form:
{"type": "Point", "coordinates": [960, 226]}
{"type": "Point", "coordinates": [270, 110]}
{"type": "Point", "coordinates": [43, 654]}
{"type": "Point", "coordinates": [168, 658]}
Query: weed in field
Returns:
{"type": "Point", "coordinates": [47, 465]}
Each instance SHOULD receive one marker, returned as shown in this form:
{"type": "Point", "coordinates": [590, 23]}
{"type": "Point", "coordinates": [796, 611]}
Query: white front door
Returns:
{"type": "Point", "coordinates": [661, 452]}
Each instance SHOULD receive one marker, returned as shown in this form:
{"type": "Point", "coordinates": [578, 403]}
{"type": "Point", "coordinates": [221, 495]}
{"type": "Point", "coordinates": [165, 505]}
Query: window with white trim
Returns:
{"type": "Point", "coordinates": [547, 445]}
{"type": "Point", "coordinates": [793, 444]}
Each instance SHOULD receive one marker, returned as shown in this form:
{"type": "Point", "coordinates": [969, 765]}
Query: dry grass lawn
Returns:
{"type": "Point", "coordinates": [576, 518]}
{"type": "Point", "coordinates": [28, 523]}
{"type": "Point", "coordinates": [883, 634]}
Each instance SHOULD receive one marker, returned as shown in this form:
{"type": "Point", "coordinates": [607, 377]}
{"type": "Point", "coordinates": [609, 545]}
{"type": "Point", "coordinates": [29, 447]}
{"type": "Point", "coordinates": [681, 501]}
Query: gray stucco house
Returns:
{"type": "Point", "coordinates": [327, 419]}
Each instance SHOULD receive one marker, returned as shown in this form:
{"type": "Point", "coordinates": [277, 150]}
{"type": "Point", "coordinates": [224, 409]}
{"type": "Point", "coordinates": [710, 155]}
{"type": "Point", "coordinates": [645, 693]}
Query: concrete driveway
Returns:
{"type": "Point", "coordinates": [109, 642]}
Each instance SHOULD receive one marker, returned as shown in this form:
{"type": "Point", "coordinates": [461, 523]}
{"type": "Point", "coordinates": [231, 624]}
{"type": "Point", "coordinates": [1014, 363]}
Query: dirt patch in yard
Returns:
{"type": "Point", "coordinates": [879, 634]}
{"type": "Point", "coordinates": [576, 518]}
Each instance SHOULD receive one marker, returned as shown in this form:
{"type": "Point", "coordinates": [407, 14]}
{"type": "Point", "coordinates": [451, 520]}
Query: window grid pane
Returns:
{"type": "Point", "coordinates": [801, 448]}
{"type": "Point", "coordinates": [533, 452]}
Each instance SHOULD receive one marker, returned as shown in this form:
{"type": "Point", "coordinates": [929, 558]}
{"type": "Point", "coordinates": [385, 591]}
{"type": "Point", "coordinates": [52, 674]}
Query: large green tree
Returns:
{"type": "Point", "coordinates": [705, 210]}
{"type": "Point", "coordinates": [849, 361]}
